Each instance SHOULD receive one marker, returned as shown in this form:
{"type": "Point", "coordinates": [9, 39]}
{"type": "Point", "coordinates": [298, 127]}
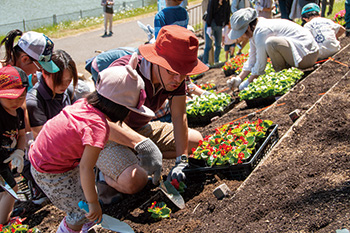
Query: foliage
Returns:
{"type": "Point", "coordinates": [180, 186]}
{"type": "Point", "coordinates": [340, 17]}
{"type": "Point", "coordinates": [231, 144]}
{"type": "Point", "coordinates": [203, 104]}
{"type": "Point", "coordinates": [235, 63]}
{"type": "Point", "coordinates": [159, 210]}
{"type": "Point", "coordinates": [207, 86]}
{"type": "Point", "coordinates": [271, 83]}
{"type": "Point", "coordinates": [16, 226]}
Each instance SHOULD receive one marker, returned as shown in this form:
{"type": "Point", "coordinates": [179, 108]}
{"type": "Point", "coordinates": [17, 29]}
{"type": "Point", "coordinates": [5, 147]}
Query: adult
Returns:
{"type": "Point", "coordinates": [264, 8]}
{"type": "Point", "coordinates": [235, 6]}
{"type": "Point", "coordinates": [172, 14]}
{"type": "Point", "coordinates": [108, 16]}
{"type": "Point", "coordinates": [218, 16]}
{"type": "Point", "coordinates": [325, 31]}
{"type": "Point", "coordinates": [285, 8]}
{"type": "Point", "coordinates": [286, 43]}
{"type": "Point", "coordinates": [163, 66]}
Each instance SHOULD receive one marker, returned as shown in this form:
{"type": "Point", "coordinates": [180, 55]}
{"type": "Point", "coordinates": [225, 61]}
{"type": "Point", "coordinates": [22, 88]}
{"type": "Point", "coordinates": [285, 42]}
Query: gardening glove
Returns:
{"type": "Point", "coordinates": [177, 171]}
{"type": "Point", "coordinates": [17, 159]}
{"type": "Point", "coordinates": [244, 84]}
{"type": "Point", "coordinates": [206, 93]}
{"type": "Point", "coordinates": [233, 83]}
{"type": "Point", "coordinates": [150, 158]}
{"type": "Point", "coordinates": [209, 32]}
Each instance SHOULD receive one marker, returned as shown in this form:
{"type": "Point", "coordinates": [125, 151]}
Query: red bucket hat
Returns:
{"type": "Point", "coordinates": [176, 49]}
{"type": "Point", "coordinates": [13, 81]}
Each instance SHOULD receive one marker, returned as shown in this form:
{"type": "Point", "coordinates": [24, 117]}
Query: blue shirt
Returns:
{"type": "Point", "coordinates": [172, 15]}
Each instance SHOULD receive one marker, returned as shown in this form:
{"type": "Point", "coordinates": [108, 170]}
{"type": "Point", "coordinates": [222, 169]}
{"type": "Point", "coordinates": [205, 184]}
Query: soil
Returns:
{"type": "Point", "coordinates": [301, 185]}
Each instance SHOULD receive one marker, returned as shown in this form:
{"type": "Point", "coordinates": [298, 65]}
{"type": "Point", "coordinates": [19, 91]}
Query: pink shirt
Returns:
{"type": "Point", "coordinates": [61, 142]}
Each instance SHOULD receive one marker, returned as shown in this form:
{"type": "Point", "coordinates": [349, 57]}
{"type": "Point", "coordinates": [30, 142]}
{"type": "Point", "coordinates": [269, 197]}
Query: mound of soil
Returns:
{"type": "Point", "coordinates": [301, 185]}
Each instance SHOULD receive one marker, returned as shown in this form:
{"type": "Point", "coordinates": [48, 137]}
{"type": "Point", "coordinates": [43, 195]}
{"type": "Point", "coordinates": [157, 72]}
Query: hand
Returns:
{"type": "Point", "coordinates": [234, 83]}
{"type": "Point", "coordinates": [244, 84]}
{"type": "Point", "coordinates": [17, 159]}
{"type": "Point", "coordinates": [209, 32]}
{"type": "Point", "coordinates": [95, 212]}
{"type": "Point", "coordinates": [150, 158]}
{"type": "Point", "coordinates": [177, 171]}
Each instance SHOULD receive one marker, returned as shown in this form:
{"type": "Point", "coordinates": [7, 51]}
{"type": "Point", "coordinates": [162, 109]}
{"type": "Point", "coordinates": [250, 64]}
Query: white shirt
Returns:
{"type": "Point", "coordinates": [324, 31]}
{"type": "Point", "coordinates": [300, 39]}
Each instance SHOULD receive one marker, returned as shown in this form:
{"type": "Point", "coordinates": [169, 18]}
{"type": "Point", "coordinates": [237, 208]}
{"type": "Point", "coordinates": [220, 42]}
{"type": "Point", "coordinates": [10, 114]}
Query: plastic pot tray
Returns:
{"type": "Point", "coordinates": [204, 120]}
{"type": "Point", "coordinates": [261, 101]}
{"type": "Point", "coordinates": [197, 168]}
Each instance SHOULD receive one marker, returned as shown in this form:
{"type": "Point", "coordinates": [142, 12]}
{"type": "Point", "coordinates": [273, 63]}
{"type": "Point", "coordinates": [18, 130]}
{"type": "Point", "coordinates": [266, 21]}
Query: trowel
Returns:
{"type": "Point", "coordinates": [7, 188]}
{"type": "Point", "coordinates": [170, 191]}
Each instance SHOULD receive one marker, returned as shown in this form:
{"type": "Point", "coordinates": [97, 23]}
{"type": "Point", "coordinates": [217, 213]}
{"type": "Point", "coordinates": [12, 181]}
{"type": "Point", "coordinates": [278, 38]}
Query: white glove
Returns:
{"type": "Point", "coordinates": [209, 32]}
{"type": "Point", "coordinates": [233, 83]}
{"type": "Point", "coordinates": [150, 158]}
{"type": "Point", "coordinates": [17, 159]}
{"type": "Point", "coordinates": [244, 84]}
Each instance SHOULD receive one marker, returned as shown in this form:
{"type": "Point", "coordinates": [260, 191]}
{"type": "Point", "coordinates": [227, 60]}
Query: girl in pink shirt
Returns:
{"type": "Point", "coordinates": [65, 151]}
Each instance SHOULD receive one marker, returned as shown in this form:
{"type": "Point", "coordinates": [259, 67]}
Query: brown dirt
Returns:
{"type": "Point", "coordinates": [302, 185]}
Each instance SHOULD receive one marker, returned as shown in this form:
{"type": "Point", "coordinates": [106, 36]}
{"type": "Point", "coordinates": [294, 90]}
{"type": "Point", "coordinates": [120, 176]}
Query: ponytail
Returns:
{"type": "Point", "coordinates": [12, 52]}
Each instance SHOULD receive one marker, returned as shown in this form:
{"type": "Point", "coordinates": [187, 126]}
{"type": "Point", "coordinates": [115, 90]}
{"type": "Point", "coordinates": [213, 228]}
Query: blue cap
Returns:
{"type": "Point", "coordinates": [310, 7]}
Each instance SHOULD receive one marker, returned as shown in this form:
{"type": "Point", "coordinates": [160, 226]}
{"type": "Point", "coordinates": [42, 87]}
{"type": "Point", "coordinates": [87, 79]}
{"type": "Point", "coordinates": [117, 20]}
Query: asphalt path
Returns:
{"type": "Point", "coordinates": [84, 45]}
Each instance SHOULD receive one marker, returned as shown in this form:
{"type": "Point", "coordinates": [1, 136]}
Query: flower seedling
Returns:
{"type": "Point", "coordinates": [16, 226]}
{"type": "Point", "coordinates": [180, 186]}
{"type": "Point", "coordinates": [203, 104]}
{"type": "Point", "coordinates": [159, 210]}
{"type": "Point", "coordinates": [271, 83]}
{"type": "Point", "coordinates": [207, 86]}
{"type": "Point", "coordinates": [231, 144]}
{"type": "Point", "coordinates": [340, 17]}
{"type": "Point", "coordinates": [235, 63]}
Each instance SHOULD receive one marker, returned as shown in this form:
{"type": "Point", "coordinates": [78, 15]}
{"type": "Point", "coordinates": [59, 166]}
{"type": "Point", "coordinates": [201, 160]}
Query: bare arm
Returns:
{"type": "Point", "coordinates": [124, 135]}
{"type": "Point", "coordinates": [36, 130]}
{"type": "Point", "coordinates": [340, 32]}
{"type": "Point", "coordinates": [179, 118]}
{"type": "Point", "coordinates": [21, 139]}
{"type": "Point", "coordinates": [87, 178]}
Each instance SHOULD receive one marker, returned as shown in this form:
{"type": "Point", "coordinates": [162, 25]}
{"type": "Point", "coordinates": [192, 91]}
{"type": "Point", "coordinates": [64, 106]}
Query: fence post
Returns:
{"type": "Point", "coordinates": [81, 14]}
{"type": "Point", "coordinates": [143, 3]}
{"type": "Point", "coordinates": [124, 5]}
{"type": "Point", "coordinates": [24, 25]}
{"type": "Point", "coordinates": [54, 19]}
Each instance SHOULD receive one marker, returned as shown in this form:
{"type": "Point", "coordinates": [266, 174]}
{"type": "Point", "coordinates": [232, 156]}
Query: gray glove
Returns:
{"type": "Point", "coordinates": [150, 158]}
{"type": "Point", "coordinates": [177, 171]}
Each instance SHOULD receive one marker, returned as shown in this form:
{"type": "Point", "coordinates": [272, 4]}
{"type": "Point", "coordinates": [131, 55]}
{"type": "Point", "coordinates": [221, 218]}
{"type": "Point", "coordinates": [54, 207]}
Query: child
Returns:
{"type": "Point", "coordinates": [229, 45]}
{"type": "Point", "coordinates": [13, 89]}
{"type": "Point", "coordinates": [172, 14]}
{"type": "Point", "coordinates": [66, 149]}
{"type": "Point", "coordinates": [325, 31]}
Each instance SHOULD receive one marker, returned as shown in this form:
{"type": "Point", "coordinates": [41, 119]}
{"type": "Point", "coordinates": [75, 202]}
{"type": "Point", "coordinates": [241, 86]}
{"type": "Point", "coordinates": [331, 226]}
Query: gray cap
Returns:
{"type": "Point", "coordinates": [240, 21]}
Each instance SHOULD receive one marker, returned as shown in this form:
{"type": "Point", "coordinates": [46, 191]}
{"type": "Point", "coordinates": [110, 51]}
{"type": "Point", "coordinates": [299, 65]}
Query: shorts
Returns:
{"type": "Point", "coordinates": [8, 177]}
{"type": "Point", "coordinates": [228, 46]}
{"type": "Point", "coordinates": [64, 191]}
{"type": "Point", "coordinates": [115, 158]}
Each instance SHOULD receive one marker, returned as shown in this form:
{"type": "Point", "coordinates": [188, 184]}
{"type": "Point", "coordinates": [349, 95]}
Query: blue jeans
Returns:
{"type": "Point", "coordinates": [347, 14]}
{"type": "Point", "coordinates": [217, 33]}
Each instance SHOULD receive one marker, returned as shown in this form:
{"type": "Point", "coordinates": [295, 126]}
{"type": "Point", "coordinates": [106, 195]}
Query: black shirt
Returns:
{"type": "Point", "coordinates": [9, 129]}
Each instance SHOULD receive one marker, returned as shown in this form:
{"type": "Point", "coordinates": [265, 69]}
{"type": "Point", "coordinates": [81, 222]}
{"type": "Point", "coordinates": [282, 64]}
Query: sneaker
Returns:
{"type": "Point", "coordinates": [104, 35]}
{"type": "Point", "coordinates": [18, 211]}
{"type": "Point", "coordinates": [110, 34]}
{"type": "Point", "coordinates": [40, 200]}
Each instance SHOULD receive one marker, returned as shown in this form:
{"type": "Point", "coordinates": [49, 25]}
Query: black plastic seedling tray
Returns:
{"type": "Point", "coordinates": [197, 168]}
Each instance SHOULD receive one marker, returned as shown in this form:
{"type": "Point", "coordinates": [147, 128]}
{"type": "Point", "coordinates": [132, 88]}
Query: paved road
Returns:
{"type": "Point", "coordinates": [83, 46]}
